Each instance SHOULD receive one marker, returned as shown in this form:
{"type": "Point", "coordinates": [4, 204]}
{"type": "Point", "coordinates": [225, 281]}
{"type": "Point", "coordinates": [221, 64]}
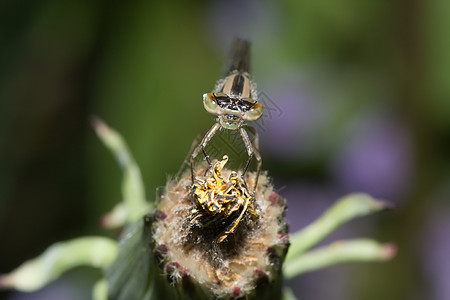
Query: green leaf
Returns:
{"type": "Point", "coordinates": [288, 294]}
{"type": "Point", "coordinates": [339, 252]}
{"type": "Point", "coordinates": [345, 209]}
{"type": "Point", "coordinates": [134, 204]}
{"type": "Point", "coordinates": [134, 274]}
{"type": "Point", "coordinates": [87, 251]}
{"type": "Point", "coordinates": [129, 275]}
{"type": "Point", "coordinates": [100, 290]}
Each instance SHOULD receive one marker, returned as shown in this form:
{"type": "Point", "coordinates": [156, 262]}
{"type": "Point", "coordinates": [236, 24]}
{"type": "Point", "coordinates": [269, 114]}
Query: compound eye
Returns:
{"type": "Point", "coordinates": [255, 112]}
{"type": "Point", "coordinates": [220, 95]}
{"type": "Point", "coordinates": [210, 103]}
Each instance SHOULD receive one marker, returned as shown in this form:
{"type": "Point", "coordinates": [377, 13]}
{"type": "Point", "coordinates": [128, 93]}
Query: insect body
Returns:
{"type": "Point", "coordinates": [233, 101]}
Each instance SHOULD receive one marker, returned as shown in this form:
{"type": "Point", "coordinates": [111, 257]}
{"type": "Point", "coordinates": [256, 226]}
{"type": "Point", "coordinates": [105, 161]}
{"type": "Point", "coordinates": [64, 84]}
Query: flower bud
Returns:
{"type": "Point", "coordinates": [198, 251]}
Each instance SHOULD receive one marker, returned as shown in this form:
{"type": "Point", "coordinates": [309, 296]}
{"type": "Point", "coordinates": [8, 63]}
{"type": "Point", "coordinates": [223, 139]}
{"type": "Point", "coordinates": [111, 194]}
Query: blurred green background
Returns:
{"type": "Point", "coordinates": [357, 97]}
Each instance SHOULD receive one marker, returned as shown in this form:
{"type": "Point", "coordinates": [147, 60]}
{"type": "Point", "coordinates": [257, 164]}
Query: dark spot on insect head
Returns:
{"type": "Point", "coordinates": [238, 84]}
{"type": "Point", "coordinates": [231, 118]}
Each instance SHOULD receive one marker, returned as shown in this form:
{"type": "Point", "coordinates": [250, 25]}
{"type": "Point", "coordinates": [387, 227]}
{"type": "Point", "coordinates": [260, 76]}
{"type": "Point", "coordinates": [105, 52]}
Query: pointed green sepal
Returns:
{"type": "Point", "coordinates": [97, 252]}
{"type": "Point", "coordinates": [358, 250]}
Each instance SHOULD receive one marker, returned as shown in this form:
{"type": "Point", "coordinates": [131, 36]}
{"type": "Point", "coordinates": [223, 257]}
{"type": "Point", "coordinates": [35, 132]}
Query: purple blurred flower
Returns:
{"type": "Point", "coordinates": [306, 202]}
{"type": "Point", "coordinates": [289, 133]}
{"type": "Point", "coordinates": [376, 158]}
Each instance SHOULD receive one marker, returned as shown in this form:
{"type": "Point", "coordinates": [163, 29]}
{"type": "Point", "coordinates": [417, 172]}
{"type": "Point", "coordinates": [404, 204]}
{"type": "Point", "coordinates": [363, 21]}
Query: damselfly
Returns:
{"type": "Point", "coordinates": [234, 101]}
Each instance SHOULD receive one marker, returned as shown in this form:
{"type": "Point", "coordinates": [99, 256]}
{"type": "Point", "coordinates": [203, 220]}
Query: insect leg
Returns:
{"type": "Point", "coordinates": [194, 144]}
{"type": "Point", "coordinates": [248, 146]}
{"type": "Point", "coordinates": [256, 136]}
{"type": "Point", "coordinates": [202, 146]}
{"type": "Point", "coordinates": [257, 156]}
{"type": "Point", "coordinates": [251, 150]}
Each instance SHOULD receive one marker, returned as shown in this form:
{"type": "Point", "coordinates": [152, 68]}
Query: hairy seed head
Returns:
{"type": "Point", "coordinates": [191, 245]}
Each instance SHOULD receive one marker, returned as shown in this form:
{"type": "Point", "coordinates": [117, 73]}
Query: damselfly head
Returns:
{"type": "Point", "coordinates": [234, 101]}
